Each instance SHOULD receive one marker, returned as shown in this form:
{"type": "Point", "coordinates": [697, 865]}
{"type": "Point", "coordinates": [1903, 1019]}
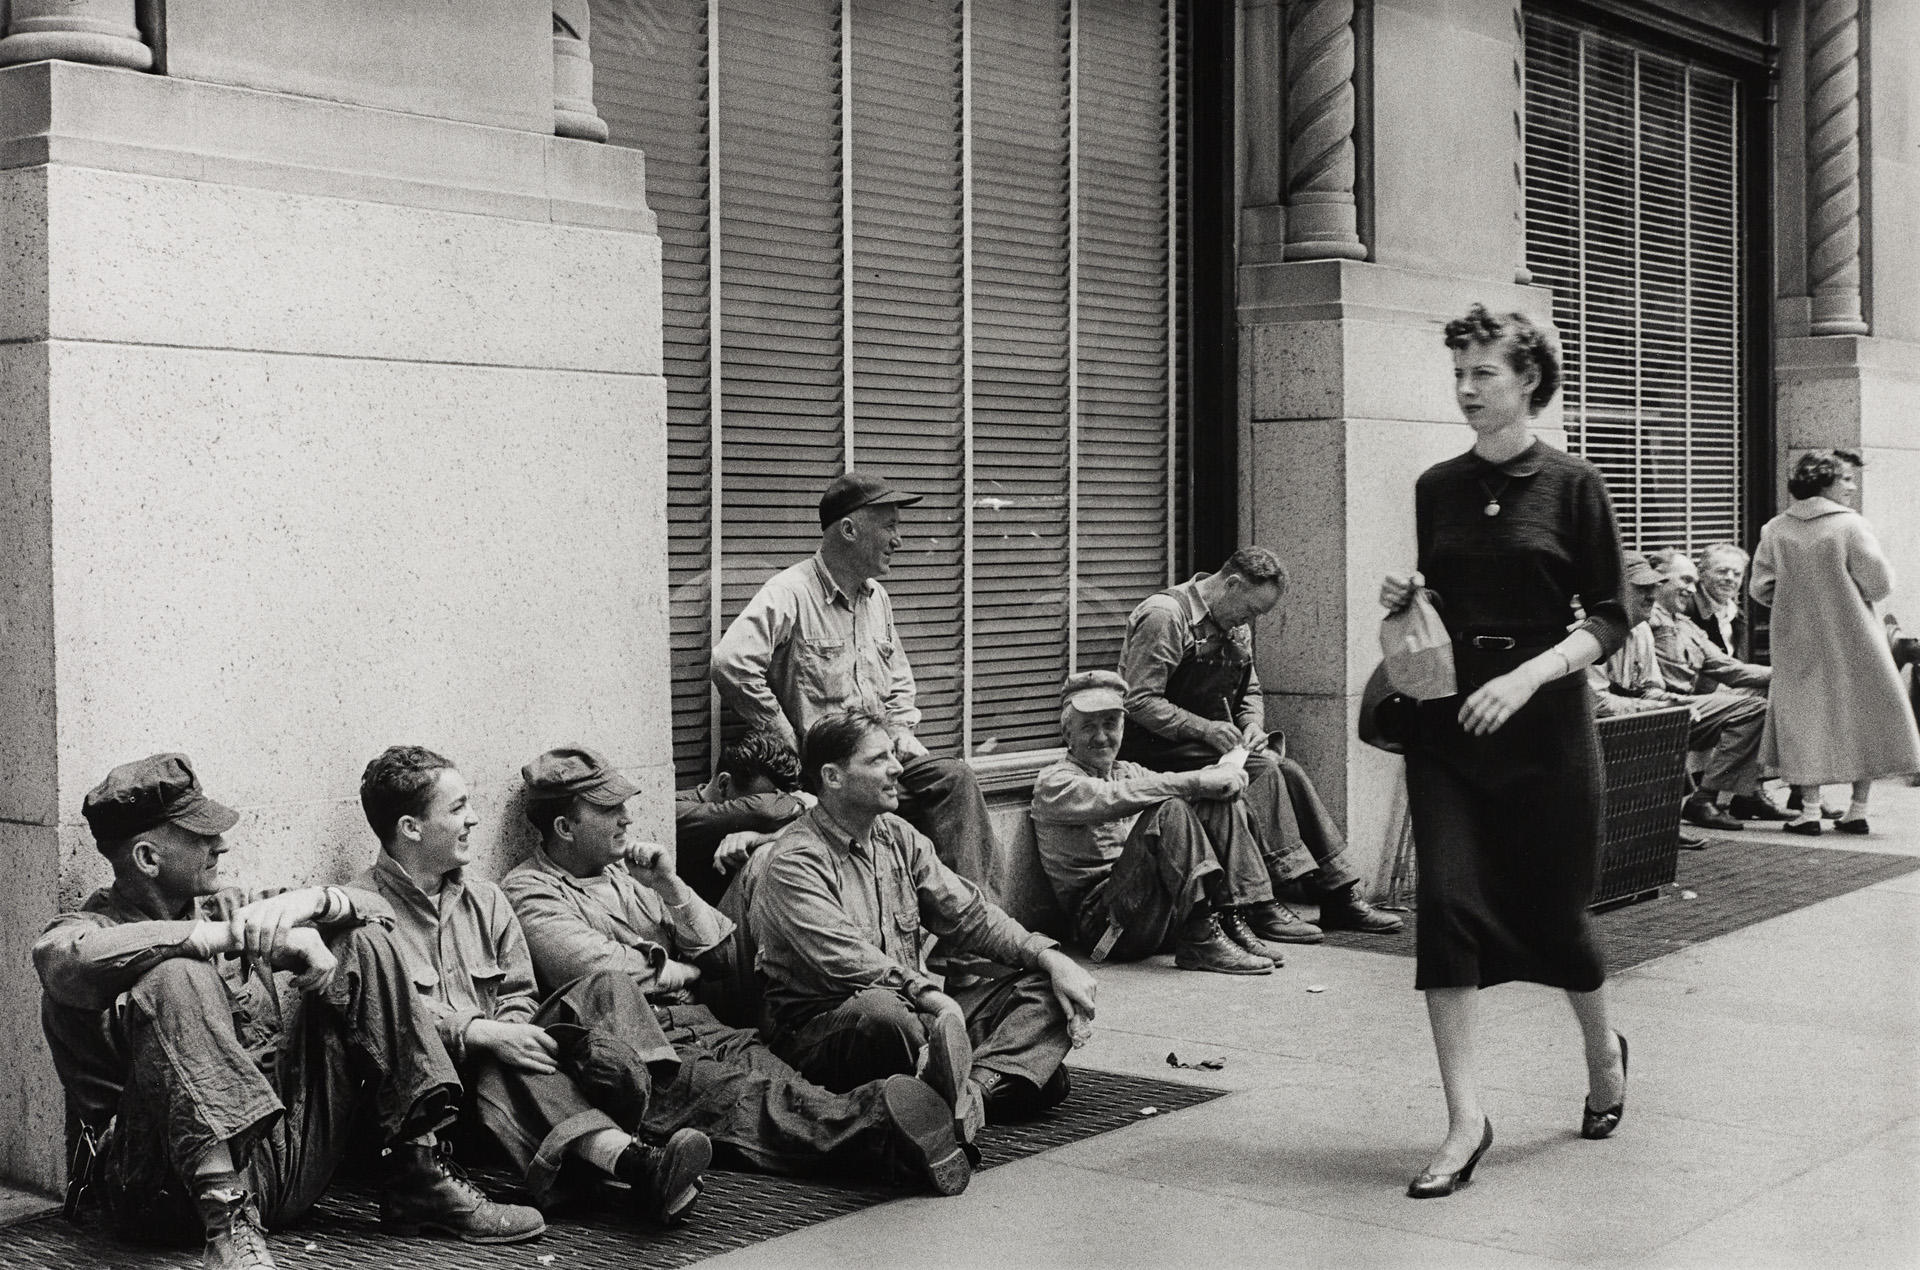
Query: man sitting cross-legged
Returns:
{"type": "Point", "coordinates": [564, 1079]}
{"type": "Point", "coordinates": [1137, 856]}
{"type": "Point", "coordinates": [215, 1099]}
{"type": "Point", "coordinates": [842, 914]}
{"type": "Point", "coordinates": [590, 902]}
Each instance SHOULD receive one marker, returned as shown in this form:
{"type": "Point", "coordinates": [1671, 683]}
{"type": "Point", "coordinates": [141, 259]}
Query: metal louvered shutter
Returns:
{"type": "Point", "coordinates": [1633, 219]}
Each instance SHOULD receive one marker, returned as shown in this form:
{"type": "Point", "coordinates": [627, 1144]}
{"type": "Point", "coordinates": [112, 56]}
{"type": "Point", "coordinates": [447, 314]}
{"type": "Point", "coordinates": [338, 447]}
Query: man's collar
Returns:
{"type": "Point", "coordinates": [837, 833]}
{"type": "Point", "coordinates": [1198, 610]}
{"type": "Point", "coordinates": [832, 584]}
{"type": "Point", "coordinates": [1093, 772]}
{"type": "Point", "coordinates": [1659, 615]}
{"type": "Point", "coordinates": [394, 874]}
{"type": "Point", "coordinates": [144, 907]}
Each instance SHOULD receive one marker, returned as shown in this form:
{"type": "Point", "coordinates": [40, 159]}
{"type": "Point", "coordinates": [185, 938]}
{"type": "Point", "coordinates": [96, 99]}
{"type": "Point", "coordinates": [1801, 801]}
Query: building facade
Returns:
{"type": "Point", "coordinates": [383, 372]}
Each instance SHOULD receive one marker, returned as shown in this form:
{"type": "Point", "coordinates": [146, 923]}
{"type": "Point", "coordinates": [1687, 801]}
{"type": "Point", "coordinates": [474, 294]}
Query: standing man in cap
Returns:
{"type": "Point", "coordinates": [819, 637]}
{"type": "Point", "coordinates": [849, 895]}
{"type": "Point", "coordinates": [591, 902]}
{"type": "Point", "coordinates": [564, 1079]}
{"type": "Point", "coordinates": [218, 1099]}
{"type": "Point", "coordinates": [1193, 696]}
{"type": "Point", "coordinates": [1137, 856]}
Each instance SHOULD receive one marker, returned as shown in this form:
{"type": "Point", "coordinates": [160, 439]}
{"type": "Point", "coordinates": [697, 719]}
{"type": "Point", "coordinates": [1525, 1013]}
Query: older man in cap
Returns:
{"type": "Point", "coordinates": [819, 637]}
{"type": "Point", "coordinates": [590, 901]}
{"type": "Point", "coordinates": [563, 1082]}
{"type": "Point", "coordinates": [218, 1051]}
{"type": "Point", "coordinates": [1193, 696]}
{"type": "Point", "coordinates": [1138, 857]}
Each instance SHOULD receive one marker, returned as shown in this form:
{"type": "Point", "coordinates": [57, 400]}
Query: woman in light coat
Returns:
{"type": "Point", "coordinates": [1835, 712]}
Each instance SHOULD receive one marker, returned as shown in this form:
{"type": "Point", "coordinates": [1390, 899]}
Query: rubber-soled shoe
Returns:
{"type": "Point", "coordinates": [1343, 910]}
{"type": "Point", "coordinates": [425, 1190]}
{"type": "Point", "coordinates": [1278, 924]}
{"type": "Point", "coordinates": [1756, 807]}
{"type": "Point", "coordinates": [236, 1240]}
{"type": "Point", "coordinates": [1217, 953]}
{"type": "Point", "coordinates": [1703, 811]}
{"type": "Point", "coordinates": [947, 1067]}
{"type": "Point", "coordinates": [923, 1137]}
{"type": "Point", "coordinates": [1595, 1125]}
{"type": "Point", "coordinates": [1852, 826]}
{"type": "Point", "coordinates": [667, 1179]}
{"type": "Point", "coordinates": [1235, 927]}
{"type": "Point", "coordinates": [1431, 1185]}
{"type": "Point", "coordinates": [1805, 828]}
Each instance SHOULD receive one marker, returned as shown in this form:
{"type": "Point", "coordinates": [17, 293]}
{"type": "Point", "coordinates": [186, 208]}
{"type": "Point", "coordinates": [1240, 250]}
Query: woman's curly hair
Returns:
{"type": "Point", "coordinates": [1533, 346]}
{"type": "Point", "coordinates": [1817, 469]}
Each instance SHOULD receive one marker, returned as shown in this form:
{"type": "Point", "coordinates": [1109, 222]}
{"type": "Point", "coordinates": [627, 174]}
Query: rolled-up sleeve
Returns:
{"type": "Point", "coordinates": [1156, 643]}
{"type": "Point", "coordinates": [806, 940]}
{"type": "Point", "coordinates": [743, 659]}
{"type": "Point", "coordinates": [85, 961]}
{"type": "Point", "coordinates": [562, 944]}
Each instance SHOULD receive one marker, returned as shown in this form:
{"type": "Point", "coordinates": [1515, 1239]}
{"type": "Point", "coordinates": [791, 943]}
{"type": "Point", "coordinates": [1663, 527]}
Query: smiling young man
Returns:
{"type": "Point", "coordinates": [842, 913]}
{"type": "Point", "coordinates": [591, 901]}
{"type": "Point", "coordinates": [565, 1079]}
{"type": "Point", "coordinates": [1138, 857]}
{"type": "Point", "coordinates": [819, 637]}
{"type": "Point", "coordinates": [219, 1052]}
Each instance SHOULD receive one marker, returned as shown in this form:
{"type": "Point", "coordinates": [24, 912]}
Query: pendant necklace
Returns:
{"type": "Point", "coordinates": [1493, 497]}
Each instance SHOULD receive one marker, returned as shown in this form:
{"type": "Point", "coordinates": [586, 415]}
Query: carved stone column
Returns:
{"type": "Point", "coordinates": [99, 31]}
{"type": "Point", "coordinates": [1322, 220]}
{"type": "Point", "coordinates": [1833, 166]}
{"type": "Point", "coordinates": [573, 112]}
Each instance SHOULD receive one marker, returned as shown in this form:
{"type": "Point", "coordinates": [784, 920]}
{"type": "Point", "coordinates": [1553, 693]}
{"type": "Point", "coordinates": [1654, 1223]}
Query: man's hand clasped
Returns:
{"type": "Point", "coordinates": [273, 933]}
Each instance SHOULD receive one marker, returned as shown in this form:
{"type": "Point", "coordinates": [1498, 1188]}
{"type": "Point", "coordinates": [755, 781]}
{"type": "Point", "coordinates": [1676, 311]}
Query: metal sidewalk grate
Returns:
{"type": "Point", "coordinates": [1737, 881]}
{"type": "Point", "coordinates": [736, 1210]}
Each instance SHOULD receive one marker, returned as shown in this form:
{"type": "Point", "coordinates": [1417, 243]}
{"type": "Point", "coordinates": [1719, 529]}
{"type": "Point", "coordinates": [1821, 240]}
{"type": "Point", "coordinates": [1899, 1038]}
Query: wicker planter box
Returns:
{"type": "Point", "coordinates": [1646, 775]}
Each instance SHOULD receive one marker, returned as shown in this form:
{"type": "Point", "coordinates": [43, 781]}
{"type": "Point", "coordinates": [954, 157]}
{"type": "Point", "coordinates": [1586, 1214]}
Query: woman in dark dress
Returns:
{"type": "Point", "coordinates": [1504, 781]}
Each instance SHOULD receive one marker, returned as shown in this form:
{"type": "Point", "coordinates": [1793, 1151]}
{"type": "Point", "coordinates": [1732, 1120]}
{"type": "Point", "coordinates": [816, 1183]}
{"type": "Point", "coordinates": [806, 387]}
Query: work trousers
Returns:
{"type": "Point", "coordinates": [755, 1107]}
{"type": "Point", "coordinates": [359, 1049]}
{"type": "Point", "coordinates": [1017, 1025]}
{"type": "Point", "coordinates": [1298, 835]}
{"type": "Point", "coordinates": [1728, 725]}
{"type": "Point", "coordinates": [612, 1055]}
{"type": "Point", "coordinates": [1177, 855]}
{"type": "Point", "coordinates": [941, 798]}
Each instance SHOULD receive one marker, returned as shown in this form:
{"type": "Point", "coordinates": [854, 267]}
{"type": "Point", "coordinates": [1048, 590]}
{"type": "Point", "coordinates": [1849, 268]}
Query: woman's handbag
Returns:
{"type": "Point", "coordinates": [1416, 666]}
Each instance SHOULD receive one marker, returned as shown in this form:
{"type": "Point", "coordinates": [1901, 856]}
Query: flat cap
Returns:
{"type": "Point", "coordinates": [154, 791]}
{"type": "Point", "coordinates": [1638, 570]}
{"type": "Point", "coordinates": [575, 770]}
{"type": "Point", "coordinates": [1092, 691]}
{"type": "Point", "coordinates": [849, 493]}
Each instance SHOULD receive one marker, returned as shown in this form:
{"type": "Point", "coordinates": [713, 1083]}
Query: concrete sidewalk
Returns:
{"type": "Point", "coordinates": [1773, 1117]}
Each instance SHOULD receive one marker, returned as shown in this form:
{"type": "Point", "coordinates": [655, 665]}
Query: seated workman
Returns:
{"type": "Point", "coordinates": [1193, 695]}
{"type": "Point", "coordinates": [842, 913]}
{"type": "Point", "coordinates": [564, 1080]}
{"type": "Point", "coordinates": [1726, 725]}
{"type": "Point", "coordinates": [218, 1100]}
{"type": "Point", "coordinates": [589, 901]}
{"type": "Point", "coordinates": [753, 795]}
{"type": "Point", "coordinates": [1138, 857]}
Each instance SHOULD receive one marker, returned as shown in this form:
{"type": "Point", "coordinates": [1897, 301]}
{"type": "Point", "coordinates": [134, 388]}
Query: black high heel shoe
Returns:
{"type": "Point", "coordinates": [1431, 1185]}
{"type": "Point", "coordinates": [1595, 1125]}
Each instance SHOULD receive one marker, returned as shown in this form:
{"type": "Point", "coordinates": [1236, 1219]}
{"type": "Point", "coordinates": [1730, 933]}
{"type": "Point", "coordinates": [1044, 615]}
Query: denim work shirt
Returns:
{"type": "Point", "coordinates": [1165, 630]}
{"type": "Point", "coordinates": [834, 915]}
{"type": "Point", "coordinates": [465, 953]}
{"type": "Point", "coordinates": [803, 648]}
{"type": "Point", "coordinates": [1081, 820]}
{"type": "Point", "coordinates": [575, 926]}
{"type": "Point", "coordinates": [88, 959]}
{"type": "Point", "coordinates": [1691, 663]}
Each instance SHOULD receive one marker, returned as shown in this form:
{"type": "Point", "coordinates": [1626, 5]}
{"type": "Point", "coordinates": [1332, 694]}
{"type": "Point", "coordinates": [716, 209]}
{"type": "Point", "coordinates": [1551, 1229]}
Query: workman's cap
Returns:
{"type": "Point", "coordinates": [849, 493]}
{"type": "Point", "coordinates": [1092, 691]}
{"type": "Point", "coordinates": [575, 770]}
{"type": "Point", "coordinates": [161, 790]}
{"type": "Point", "coordinates": [1638, 570]}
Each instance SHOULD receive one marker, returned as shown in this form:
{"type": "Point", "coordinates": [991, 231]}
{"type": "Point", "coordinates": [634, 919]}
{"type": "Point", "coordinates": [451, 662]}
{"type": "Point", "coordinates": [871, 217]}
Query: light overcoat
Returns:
{"type": "Point", "coordinates": [1835, 712]}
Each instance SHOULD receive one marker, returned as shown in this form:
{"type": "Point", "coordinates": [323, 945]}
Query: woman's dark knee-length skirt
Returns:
{"type": "Point", "coordinates": [1507, 831]}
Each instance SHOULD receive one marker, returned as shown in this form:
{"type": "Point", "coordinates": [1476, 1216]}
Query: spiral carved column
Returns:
{"type": "Point", "coordinates": [573, 112]}
{"type": "Point", "coordinates": [1833, 166]}
{"type": "Point", "coordinates": [98, 31]}
{"type": "Point", "coordinates": [1322, 220]}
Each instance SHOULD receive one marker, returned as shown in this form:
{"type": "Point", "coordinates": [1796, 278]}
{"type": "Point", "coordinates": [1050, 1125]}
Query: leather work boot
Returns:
{"type": "Point", "coordinates": [235, 1238]}
{"type": "Point", "coordinates": [948, 1063]}
{"type": "Point", "coordinates": [1345, 910]}
{"type": "Point", "coordinates": [1014, 1099]}
{"type": "Point", "coordinates": [1278, 924]}
{"type": "Point", "coordinates": [1203, 946]}
{"type": "Point", "coordinates": [1235, 927]}
{"type": "Point", "coordinates": [923, 1137]}
{"type": "Point", "coordinates": [667, 1179]}
{"type": "Point", "coordinates": [425, 1190]}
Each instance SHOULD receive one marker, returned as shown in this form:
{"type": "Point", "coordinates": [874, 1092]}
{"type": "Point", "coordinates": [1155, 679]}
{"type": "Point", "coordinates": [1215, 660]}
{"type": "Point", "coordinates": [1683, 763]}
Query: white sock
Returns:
{"type": "Point", "coordinates": [1856, 809]}
{"type": "Point", "coordinates": [602, 1148]}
